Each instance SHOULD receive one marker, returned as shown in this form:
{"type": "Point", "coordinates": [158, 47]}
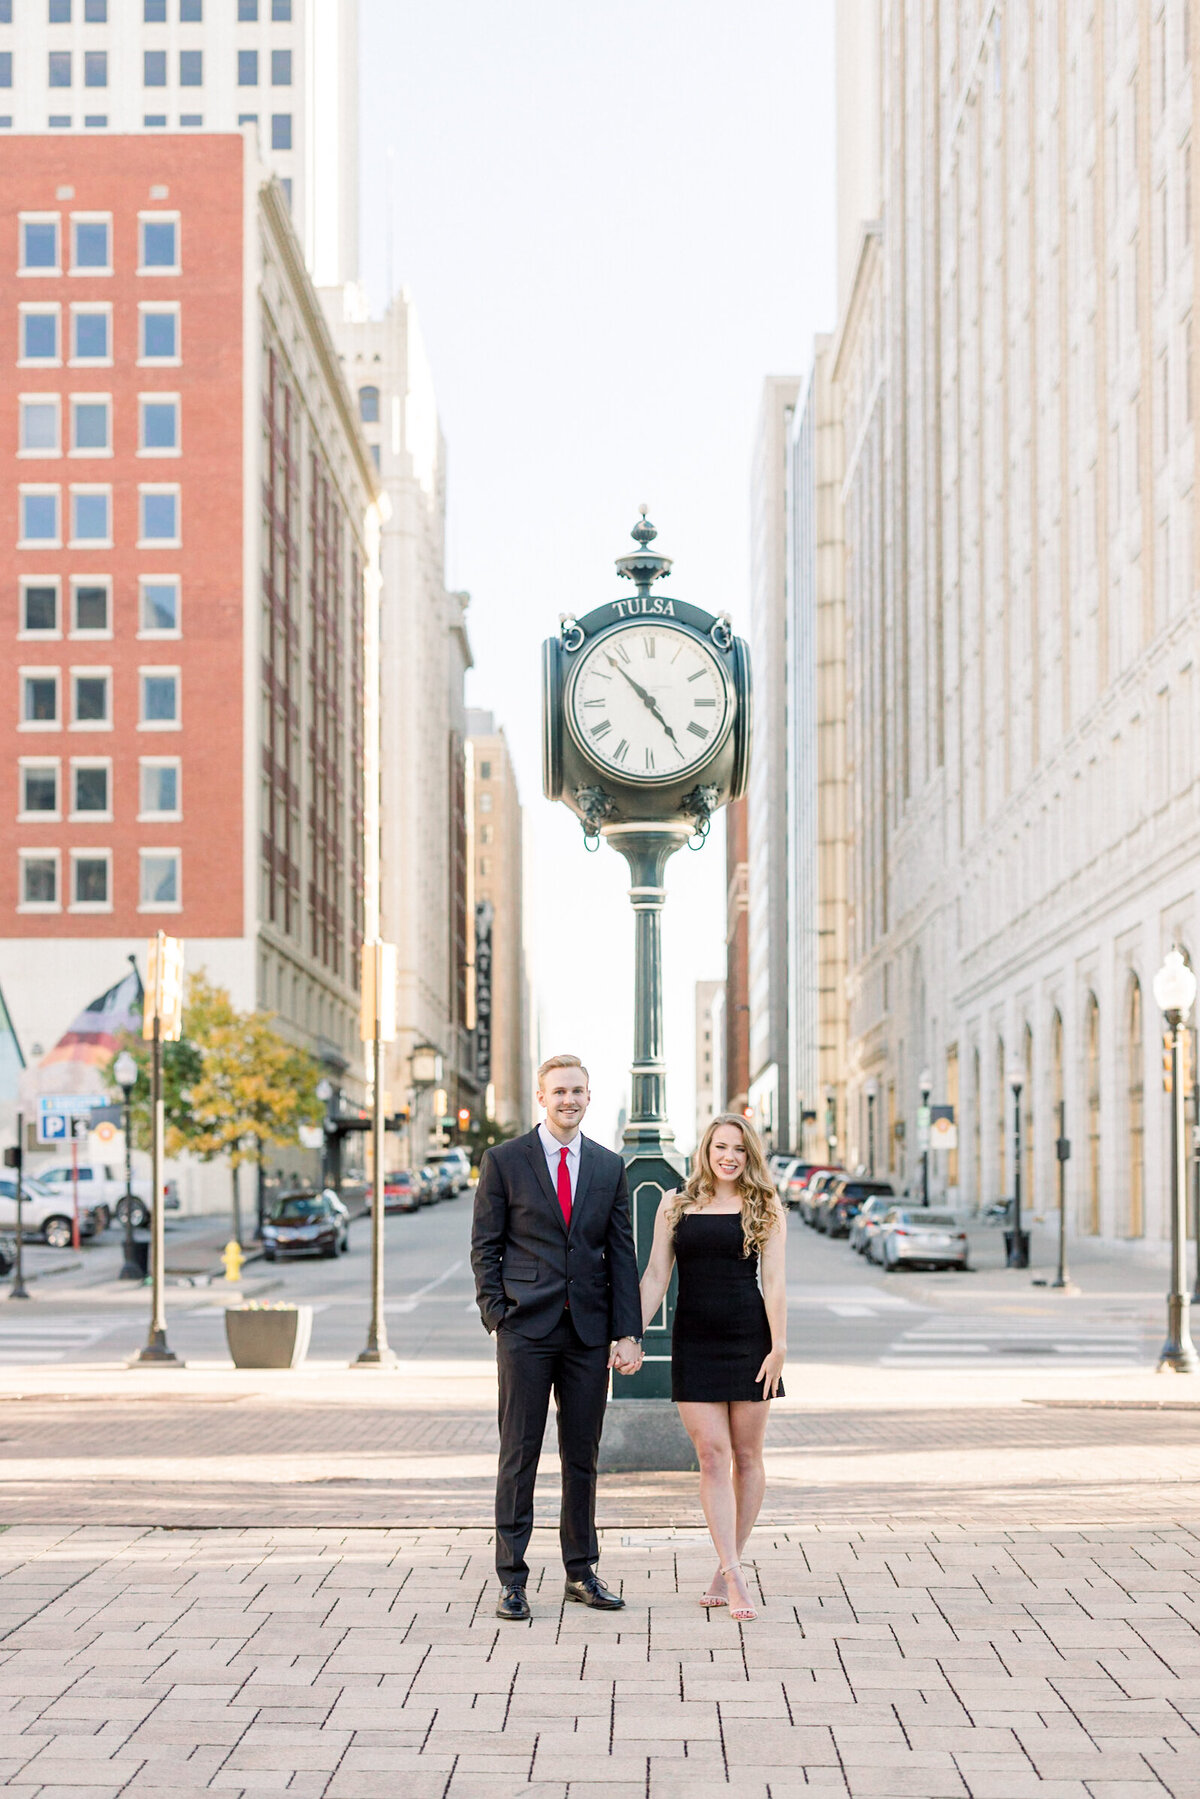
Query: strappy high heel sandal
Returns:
{"type": "Point", "coordinates": [710, 1601]}
{"type": "Point", "coordinates": [741, 1614]}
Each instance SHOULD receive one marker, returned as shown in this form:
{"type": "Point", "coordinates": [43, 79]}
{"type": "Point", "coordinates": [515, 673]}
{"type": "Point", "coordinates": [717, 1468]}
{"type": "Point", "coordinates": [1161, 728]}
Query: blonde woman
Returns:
{"type": "Point", "coordinates": [730, 1338]}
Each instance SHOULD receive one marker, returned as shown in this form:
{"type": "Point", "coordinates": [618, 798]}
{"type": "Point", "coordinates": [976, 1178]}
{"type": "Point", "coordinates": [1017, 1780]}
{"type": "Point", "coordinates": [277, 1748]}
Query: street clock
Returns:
{"type": "Point", "coordinates": [646, 708]}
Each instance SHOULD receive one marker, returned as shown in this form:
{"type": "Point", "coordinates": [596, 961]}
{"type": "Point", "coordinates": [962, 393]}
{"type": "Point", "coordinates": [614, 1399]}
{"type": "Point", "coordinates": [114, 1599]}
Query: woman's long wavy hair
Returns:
{"type": "Point", "coordinates": [760, 1207]}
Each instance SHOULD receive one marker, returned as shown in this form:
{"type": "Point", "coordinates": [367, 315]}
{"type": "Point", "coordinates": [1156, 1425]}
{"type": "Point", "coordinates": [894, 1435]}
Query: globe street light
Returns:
{"type": "Point", "coordinates": [125, 1073]}
{"type": "Point", "coordinates": [1174, 995]}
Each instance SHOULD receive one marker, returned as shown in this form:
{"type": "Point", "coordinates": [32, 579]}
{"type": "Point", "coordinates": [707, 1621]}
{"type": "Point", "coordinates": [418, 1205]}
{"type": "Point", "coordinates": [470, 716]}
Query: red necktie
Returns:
{"type": "Point", "coordinates": [564, 1186]}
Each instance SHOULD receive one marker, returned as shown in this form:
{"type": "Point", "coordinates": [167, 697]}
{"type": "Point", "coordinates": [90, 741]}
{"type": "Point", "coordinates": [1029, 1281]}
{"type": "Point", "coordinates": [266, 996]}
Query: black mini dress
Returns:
{"type": "Point", "coordinates": [721, 1336]}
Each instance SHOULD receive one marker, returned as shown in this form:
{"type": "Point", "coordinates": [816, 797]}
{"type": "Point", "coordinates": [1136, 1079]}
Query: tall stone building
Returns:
{"type": "Point", "coordinates": [710, 1073]}
{"type": "Point", "coordinates": [500, 986]}
{"type": "Point", "coordinates": [766, 796]}
{"type": "Point", "coordinates": [736, 1060]}
{"type": "Point", "coordinates": [817, 810]}
{"type": "Point", "coordinates": [424, 656]}
{"type": "Point", "coordinates": [1018, 390]}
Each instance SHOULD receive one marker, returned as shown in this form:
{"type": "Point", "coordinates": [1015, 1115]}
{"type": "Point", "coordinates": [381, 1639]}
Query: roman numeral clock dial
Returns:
{"type": "Point", "coordinates": [649, 702]}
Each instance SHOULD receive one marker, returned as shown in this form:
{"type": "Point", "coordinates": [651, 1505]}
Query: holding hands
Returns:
{"type": "Point", "coordinates": [625, 1356]}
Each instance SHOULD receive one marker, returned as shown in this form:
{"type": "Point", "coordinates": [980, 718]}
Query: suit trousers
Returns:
{"type": "Point", "coordinates": [529, 1369]}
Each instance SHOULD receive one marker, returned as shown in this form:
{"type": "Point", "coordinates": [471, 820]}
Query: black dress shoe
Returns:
{"type": "Point", "coordinates": [591, 1590]}
{"type": "Point", "coordinates": [513, 1604]}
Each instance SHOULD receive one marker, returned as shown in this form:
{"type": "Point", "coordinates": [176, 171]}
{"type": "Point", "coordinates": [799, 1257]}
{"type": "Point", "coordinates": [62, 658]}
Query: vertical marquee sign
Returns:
{"type": "Point", "coordinates": [646, 733]}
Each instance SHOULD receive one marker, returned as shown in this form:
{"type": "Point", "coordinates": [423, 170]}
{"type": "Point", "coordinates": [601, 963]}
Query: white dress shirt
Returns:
{"type": "Point", "coordinates": [552, 1147]}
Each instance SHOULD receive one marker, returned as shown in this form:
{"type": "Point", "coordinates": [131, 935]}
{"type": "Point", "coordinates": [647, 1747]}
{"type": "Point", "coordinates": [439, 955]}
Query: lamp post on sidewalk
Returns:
{"type": "Point", "coordinates": [872, 1091]}
{"type": "Point", "coordinates": [1018, 1239]}
{"type": "Point", "coordinates": [14, 1158]}
{"type": "Point", "coordinates": [1174, 995]}
{"type": "Point", "coordinates": [1062, 1150]}
{"type": "Point", "coordinates": [1196, 1153]}
{"type": "Point", "coordinates": [125, 1075]}
{"type": "Point", "coordinates": [162, 1022]}
{"type": "Point", "coordinates": [923, 1133]}
{"type": "Point", "coordinates": [377, 1027]}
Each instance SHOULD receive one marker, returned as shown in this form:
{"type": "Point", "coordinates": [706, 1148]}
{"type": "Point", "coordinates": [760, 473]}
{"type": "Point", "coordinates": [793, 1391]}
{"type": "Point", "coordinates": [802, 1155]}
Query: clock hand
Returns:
{"type": "Point", "coordinates": [648, 700]}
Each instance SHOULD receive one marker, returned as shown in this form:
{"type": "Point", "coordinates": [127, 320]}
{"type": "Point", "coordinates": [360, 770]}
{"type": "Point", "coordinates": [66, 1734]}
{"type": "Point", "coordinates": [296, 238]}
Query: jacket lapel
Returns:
{"type": "Point", "coordinates": [537, 1161]}
{"type": "Point", "coordinates": [587, 1166]}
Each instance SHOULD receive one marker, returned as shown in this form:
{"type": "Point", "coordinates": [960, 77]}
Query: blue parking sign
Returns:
{"type": "Point", "coordinates": [57, 1110]}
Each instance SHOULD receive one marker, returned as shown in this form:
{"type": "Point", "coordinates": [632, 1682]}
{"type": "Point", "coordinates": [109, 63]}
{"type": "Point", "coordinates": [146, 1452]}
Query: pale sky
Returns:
{"type": "Point", "coordinates": [615, 219]}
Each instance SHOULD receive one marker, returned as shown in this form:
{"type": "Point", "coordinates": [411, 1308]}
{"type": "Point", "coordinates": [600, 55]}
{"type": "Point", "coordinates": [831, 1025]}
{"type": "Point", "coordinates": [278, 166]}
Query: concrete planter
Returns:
{"type": "Point", "coordinates": [275, 1337]}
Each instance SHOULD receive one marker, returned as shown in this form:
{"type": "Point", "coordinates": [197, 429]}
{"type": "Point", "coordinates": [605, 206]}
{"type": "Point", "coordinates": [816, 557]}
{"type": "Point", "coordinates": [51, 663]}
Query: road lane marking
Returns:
{"type": "Point", "coordinates": [414, 1299]}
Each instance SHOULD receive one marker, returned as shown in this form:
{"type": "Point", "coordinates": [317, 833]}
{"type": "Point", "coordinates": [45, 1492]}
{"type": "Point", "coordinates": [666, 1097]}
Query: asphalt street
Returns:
{"type": "Point", "coordinates": [841, 1309]}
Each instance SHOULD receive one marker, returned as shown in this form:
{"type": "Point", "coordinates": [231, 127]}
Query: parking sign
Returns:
{"type": "Point", "coordinates": [57, 1110]}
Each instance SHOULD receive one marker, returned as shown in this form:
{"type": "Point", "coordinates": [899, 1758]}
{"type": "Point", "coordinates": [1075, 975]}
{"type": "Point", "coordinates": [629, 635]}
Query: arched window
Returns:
{"type": "Point", "coordinates": [1028, 1158]}
{"type": "Point", "coordinates": [368, 405]}
{"type": "Point", "coordinates": [1135, 1114]}
{"type": "Point", "coordinates": [1091, 1222]}
{"type": "Point", "coordinates": [1001, 1124]}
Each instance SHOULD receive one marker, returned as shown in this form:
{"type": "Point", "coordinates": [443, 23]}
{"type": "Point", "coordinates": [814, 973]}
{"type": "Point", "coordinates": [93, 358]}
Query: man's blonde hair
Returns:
{"type": "Point", "coordinates": [559, 1062]}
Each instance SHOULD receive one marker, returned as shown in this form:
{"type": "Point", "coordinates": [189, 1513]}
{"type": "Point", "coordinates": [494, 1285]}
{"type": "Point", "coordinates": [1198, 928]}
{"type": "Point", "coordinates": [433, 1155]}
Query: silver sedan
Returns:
{"type": "Point", "coordinates": [912, 1237]}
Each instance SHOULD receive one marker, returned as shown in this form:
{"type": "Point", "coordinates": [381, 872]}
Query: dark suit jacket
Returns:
{"type": "Point", "coordinates": [528, 1265]}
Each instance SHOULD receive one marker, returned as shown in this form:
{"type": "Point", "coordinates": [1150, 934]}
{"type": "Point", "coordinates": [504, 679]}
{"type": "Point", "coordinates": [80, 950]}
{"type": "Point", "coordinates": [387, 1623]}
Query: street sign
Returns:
{"type": "Point", "coordinates": [943, 1132]}
{"type": "Point", "coordinates": [378, 992]}
{"type": "Point", "coordinates": [57, 1110]}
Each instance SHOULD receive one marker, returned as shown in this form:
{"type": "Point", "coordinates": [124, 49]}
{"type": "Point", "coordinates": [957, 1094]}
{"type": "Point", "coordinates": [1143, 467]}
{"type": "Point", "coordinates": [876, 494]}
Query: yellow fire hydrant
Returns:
{"type": "Point", "coordinates": [233, 1255]}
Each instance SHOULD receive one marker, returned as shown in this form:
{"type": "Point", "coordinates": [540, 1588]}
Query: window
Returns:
{"type": "Point", "coordinates": [154, 12]}
{"type": "Point", "coordinates": [160, 699]}
{"type": "Point", "coordinates": [60, 12]}
{"type": "Point", "coordinates": [90, 608]}
{"type": "Point", "coordinates": [59, 121]}
{"type": "Point", "coordinates": [90, 783]}
{"type": "Point", "coordinates": [91, 334]}
{"type": "Point", "coordinates": [39, 334]}
{"type": "Point", "coordinates": [90, 880]}
{"type": "Point", "coordinates": [39, 435]}
{"type": "Point", "coordinates": [159, 612]}
{"type": "Point", "coordinates": [38, 790]}
{"type": "Point", "coordinates": [91, 433]}
{"type": "Point", "coordinates": [39, 516]}
{"type": "Point", "coordinates": [159, 797]}
{"type": "Point", "coordinates": [248, 118]}
{"type": "Point", "coordinates": [286, 184]}
{"type": "Point", "coordinates": [160, 883]}
{"type": "Point", "coordinates": [5, 68]}
{"type": "Point", "coordinates": [95, 121]}
{"type": "Point", "coordinates": [159, 515]}
{"type": "Point", "coordinates": [95, 12]}
{"type": "Point", "coordinates": [39, 608]}
{"type": "Point", "coordinates": [39, 246]}
{"type": "Point", "coordinates": [154, 68]}
{"type": "Point", "coordinates": [368, 405]}
{"type": "Point", "coordinates": [485, 802]}
{"type": "Point", "coordinates": [158, 433]}
{"type": "Point", "coordinates": [91, 509]}
{"type": "Point", "coordinates": [60, 68]}
{"type": "Point", "coordinates": [191, 12]}
{"type": "Point", "coordinates": [39, 699]}
{"type": "Point", "coordinates": [375, 456]}
{"type": "Point", "coordinates": [281, 11]}
{"type": "Point", "coordinates": [191, 121]}
{"type": "Point", "coordinates": [154, 120]}
{"type": "Point", "coordinates": [159, 334]}
{"type": "Point", "coordinates": [247, 68]}
{"type": "Point", "coordinates": [191, 68]}
{"type": "Point", "coordinates": [281, 131]}
{"type": "Point", "coordinates": [485, 771]}
{"type": "Point", "coordinates": [95, 68]}
{"type": "Point", "coordinates": [90, 706]}
{"type": "Point", "coordinates": [160, 244]}
{"type": "Point", "coordinates": [248, 12]}
{"type": "Point", "coordinates": [281, 68]}
{"type": "Point", "coordinates": [39, 881]}
{"type": "Point", "coordinates": [90, 246]}
{"type": "Point", "coordinates": [5, 12]}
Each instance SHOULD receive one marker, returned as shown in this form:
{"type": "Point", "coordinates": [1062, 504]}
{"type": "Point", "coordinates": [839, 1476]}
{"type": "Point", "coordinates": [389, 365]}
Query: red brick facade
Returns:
{"type": "Point", "coordinates": [199, 181]}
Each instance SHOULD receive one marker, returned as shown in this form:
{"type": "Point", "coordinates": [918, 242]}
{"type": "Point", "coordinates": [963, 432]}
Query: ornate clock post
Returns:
{"type": "Point", "coordinates": [646, 732]}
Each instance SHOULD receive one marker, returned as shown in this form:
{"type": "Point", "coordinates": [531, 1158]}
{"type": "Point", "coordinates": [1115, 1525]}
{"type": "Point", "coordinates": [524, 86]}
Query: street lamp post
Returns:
{"type": "Point", "coordinates": [831, 1140]}
{"type": "Point", "coordinates": [125, 1075]}
{"type": "Point", "coordinates": [16, 1158]}
{"type": "Point", "coordinates": [923, 1133]}
{"type": "Point", "coordinates": [872, 1090]}
{"type": "Point", "coordinates": [378, 1027]}
{"type": "Point", "coordinates": [1018, 1239]}
{"type": "Point", "coordinates": [1174, 994]}
{"type": "Point", "coordinates": [1196, 1153]}
{"type": "Point", "coordinates": [1062, 1150]}
{"type": "Point", "coordinates": [162, 1022]}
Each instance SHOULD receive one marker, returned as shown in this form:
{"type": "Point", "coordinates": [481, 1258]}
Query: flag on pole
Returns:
{"type": "Point", "coordinates": [95, 1035]}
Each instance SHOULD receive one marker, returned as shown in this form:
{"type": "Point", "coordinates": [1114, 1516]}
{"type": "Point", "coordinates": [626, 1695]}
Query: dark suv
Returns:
{"type": "Point", "coordinates": [842, 1204]}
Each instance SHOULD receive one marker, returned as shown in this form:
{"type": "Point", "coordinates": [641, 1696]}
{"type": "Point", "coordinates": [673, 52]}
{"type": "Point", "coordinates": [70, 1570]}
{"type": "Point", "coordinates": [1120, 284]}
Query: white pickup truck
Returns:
{"type": "Point", "coordinates": [46, 1212]}
{"type": "Point", "coordinates": [102, 1188]}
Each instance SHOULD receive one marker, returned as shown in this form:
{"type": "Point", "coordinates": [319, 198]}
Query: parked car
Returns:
{"type": "Point", "coordinates": [871, 1214]}
{"type": "Point", "coordinates": [454, 1162]}
{"type": "Point", "coordinates": [811, 1194]}
{"type": "Point", "coordinates": [798, 1177]}
{"type": "Point", "coordinates": [45, 1212]}
{"type": "Point", "coordinates": [911, 1237]}
{"type": "Point", "coordinates": [306, 1223]}
{"type": "Point", "coordinates": [104, 1185]}
{"type": "Point", "coordinates": [438, 1182]}
{"type": "Point", "coordinates": [845, 1200]}
{"type": "Point", "coordinates": [400, 1192]}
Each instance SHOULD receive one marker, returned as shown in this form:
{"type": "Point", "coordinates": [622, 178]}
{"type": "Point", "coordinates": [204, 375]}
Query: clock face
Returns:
{"type": "Point", "coordinates": [649, 702]}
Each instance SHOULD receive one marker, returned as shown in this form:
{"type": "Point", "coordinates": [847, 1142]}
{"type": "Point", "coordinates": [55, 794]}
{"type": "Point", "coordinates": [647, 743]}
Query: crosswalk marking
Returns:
{"type": "Point", "coordinates": [48, 1341]}
{"type": "Point", "coordinates": [944, 1341]}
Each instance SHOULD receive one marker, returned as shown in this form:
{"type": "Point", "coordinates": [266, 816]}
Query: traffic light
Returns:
{"type": "Point", "coordinates": [464, 1118]}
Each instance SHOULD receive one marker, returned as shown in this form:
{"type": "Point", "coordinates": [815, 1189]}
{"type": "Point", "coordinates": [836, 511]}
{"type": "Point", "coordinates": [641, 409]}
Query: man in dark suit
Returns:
{"type": "Point", "coordinates": [556, 1279]}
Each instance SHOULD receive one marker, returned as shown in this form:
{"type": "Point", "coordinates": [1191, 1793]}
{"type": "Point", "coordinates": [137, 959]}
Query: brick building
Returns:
{"type": "Point", "coordinates": [184, 566]}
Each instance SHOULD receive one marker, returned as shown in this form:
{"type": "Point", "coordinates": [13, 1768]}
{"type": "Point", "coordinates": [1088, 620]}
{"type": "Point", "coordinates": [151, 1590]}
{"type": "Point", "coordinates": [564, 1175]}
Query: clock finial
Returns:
{"type": "Point", "coordinates": [647, 567]}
